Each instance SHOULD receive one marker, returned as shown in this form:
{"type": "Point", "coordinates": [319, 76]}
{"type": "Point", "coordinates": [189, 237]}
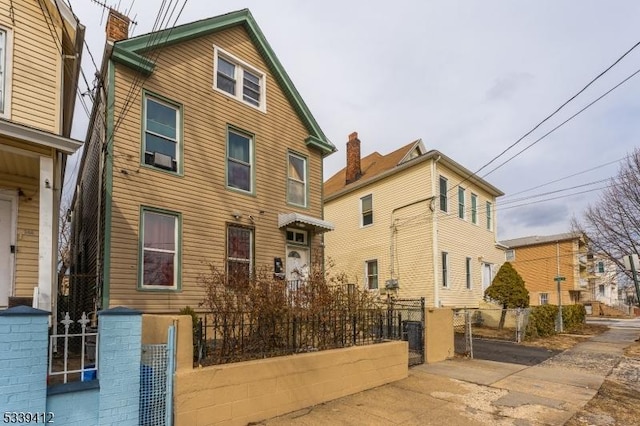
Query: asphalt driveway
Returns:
{"type": "Point", "coordinates": [513, 353]}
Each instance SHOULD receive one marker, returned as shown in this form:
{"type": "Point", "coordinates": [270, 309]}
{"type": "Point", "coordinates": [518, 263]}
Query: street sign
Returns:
{"type": "Point", "coordinates": [559, 278]}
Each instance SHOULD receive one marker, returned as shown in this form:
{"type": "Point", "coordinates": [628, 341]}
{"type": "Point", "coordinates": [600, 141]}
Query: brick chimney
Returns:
{"type": "Point", "coordinates": [117, 26]}
{"type": "Point", "coordinates": [353, 159]}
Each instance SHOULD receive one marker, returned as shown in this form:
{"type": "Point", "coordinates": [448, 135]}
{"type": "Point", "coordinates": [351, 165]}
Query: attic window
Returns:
{"type": "Point", "coordinates": [239, 80]}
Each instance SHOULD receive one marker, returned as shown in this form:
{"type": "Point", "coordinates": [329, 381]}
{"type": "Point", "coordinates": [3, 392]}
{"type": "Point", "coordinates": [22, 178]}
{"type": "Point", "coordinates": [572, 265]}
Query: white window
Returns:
{"type": "Point", "coordinates": [159, 248]}
{"type": "Point", "coordinates": [296, 236]}
{"type": "Point", "coordinates": [468, 273]}
{"type": "Point", "coordinates": [161, 134]}
{"type": "Point", "coordinates": [239, 161]}
{"type": "Point", "coordinates": [366, 209]}
{"type": "Point", "coordinates": [239, 254]}
{"type": "Point", "coordinates": [238, 79]}
{"type": "Point", "coordinates": [489, 218]}
{"type": "Point", "coordinates": [601, 289]}
{"type": "Point", "coordinates": [474, 209]}
{"type": "Point", "coordinates": [510, 255]}
{"type": "Point", "coordinates": [445, 269]}
{"type": "Point", "coordinates": [544, 298]}
{"type": "Point", "coordinates": [5, 73]}
{"type": "Point", "coordinates": [372, 274]}
{"type": "Point", "coordinates": [297, 180]}
{"type": "Point", "coordinates": [443, 194]}
{"type": "Point", "coordinates": [461, 213]}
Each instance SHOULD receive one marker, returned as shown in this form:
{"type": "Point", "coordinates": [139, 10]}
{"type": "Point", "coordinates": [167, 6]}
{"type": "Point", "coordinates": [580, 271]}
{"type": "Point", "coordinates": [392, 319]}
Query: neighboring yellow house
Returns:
{"type": "Point", "coordinates": [540, 259]}
{"type": "Point", "coordinates": [413, 221]}
{"type": "Point", "coordinates": [203, 152]}
{"type": "Point", "coordinates": [40, 51]}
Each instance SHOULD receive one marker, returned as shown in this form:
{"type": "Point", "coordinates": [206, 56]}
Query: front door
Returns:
{"type": "Point", "coordinates": [6, 256]}
{"type": "Point", "coordinates": [297, 266]}
{"type": "Point", "coordinates": [486, 275]}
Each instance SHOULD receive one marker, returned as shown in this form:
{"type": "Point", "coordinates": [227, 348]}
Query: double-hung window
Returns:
{"type": "Point", "coordinates": [239, 80]}
{"type": "Point", "coordinates": [601, 267]}
{"type": "Point", "coordinates": [474, 209]}
{"type": "Point", "coordinates": [544, 298]}
{"type": "Point", "coordinates": [239, 255]}
{"type": "Point", "coordinates": [159, 249]}
{"type": "Point", "coordinates": [467, 265]}
{"type": "Point", "coordinates": [445, 269]}
{"type": "Point", "coordinates": [366, 210]}
{"type": "Point", "coordinates": [372, 274]}
{"type": "Point", "coordinates": [489, 217]}
{"type": "Point", "coordinates": [297, 180]}
{"type": "Point", "coordinates": [239, 161]}
{"type": "Point", "coordinates": [161, 134]}
{"type": "Point", "coordinates": [443, 194]}
{"type": "Point", "coordinates": [461, 213]}
{"type": "Point", "coordinates": [4, 66]}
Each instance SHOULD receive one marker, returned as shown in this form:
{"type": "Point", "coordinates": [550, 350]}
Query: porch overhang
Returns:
{"type": "Point", "coordinates": [36, 136]}
{"type": "Point", "coordinates": [302, 221]}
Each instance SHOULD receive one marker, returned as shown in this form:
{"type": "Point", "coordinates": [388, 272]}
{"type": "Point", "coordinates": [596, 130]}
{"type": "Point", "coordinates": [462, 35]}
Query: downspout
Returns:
{"type": "Point", "coordinates": [434, 236]}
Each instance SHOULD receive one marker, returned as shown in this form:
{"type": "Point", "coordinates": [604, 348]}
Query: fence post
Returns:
{"type": "Point", "coordinates": [120, 346]}
{"type": "Point", "coordinates": [24, 340]}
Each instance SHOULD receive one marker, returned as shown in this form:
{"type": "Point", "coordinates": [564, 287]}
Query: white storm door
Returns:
{"type": "Point", "coordinates": [297, 264]}
{"type": "Point", "coordinates": [486, 275]}
{"type": "Point", "coordinates": [6, 255]}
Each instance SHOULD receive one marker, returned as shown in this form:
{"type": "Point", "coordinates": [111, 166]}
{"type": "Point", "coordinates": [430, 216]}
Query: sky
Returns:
{"type": "Point", "coordinates": [467, 77]}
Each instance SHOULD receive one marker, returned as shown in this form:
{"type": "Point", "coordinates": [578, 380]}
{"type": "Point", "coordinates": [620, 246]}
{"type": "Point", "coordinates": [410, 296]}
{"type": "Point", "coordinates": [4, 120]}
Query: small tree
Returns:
{"type": "Point", "coordinates": [508, 289]}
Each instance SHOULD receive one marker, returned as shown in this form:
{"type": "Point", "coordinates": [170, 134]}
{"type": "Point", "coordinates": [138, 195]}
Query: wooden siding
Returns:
{"type": "Point", "coordinates": [538, 266]}
{"type": "Point", "coordinates": [461, 239]}
{"type": "Point", "coordinates": [184, 74]}
{"type": "Point", "coordinates": [36, 66]}
{"type": "Point", "coordinates": [412, 244]}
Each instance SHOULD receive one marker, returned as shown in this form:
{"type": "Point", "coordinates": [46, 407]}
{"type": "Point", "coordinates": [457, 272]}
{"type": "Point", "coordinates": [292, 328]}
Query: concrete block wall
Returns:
{"type": "Point", "coordinates": [24, 342]}
{"type": "Point", "coordinates": [245, 392]}
{"type": "Point", "coordinates": [120, 333]}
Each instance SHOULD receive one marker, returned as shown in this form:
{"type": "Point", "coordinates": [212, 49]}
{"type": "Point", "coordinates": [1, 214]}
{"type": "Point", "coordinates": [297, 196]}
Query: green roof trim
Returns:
{"type": "Point", "coordinates": [130, 53]}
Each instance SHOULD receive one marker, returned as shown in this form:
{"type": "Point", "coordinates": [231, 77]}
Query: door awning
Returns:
{"type": "Point", "coordinates": [302, 221]}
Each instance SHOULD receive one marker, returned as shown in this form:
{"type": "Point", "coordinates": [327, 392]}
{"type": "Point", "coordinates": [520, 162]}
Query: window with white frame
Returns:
{"type": "Point", "coordinates": [461, 213]}
{"type": "Point", "coordinates": [544, 298]}
{"type": "Point", "coordinates": [601, 289]}
{"type": "Point", "coordinates": [510, 255]}
{"type": "Point", "coordinates": [489, 216]}
{"type": "Point", "coordinates": [161, 134]}
{"type": "Point", "coordinates": [467, 265]}
{"type": "Point", "coordinates": [366, 209]}
{"type": "Point", "coordinates": [372, 274]}
{"type": "Point", "coordinates": [237, 79]}
{"type": "Point", "coordinates": [239, 254]}
{"type": "Point", "coordinates": [601, 267]}
{"type": "Point", "coordinates": [474, 209]}
{"type": "Point", "coordinates": [445, 269]}
{"type": "Point", "coordinates": [239, 160]}
{"type": "Point", "coordinates": [297, 180]}
{"type": "Point", "coordinates": [443, 194]}
{"type": "Point", "coordinates": [159, 249]}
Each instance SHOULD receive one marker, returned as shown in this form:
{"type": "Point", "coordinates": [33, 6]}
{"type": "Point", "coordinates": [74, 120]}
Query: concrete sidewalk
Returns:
{"type": "Point", "coordinates": [477, 392]}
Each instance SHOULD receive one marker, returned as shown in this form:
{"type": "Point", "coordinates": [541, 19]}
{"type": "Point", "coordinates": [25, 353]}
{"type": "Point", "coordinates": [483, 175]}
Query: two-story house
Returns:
{"type": "Point", "coordinates": [414, 222]}
{"type": "Point", "coordinates": [603, 280]}
{"type": "Point", "coordinates": [200, 151]}
{"type": "Point", "coordinates": [540, 259]}
{"type": "Point", "coordinates": [40, 51]}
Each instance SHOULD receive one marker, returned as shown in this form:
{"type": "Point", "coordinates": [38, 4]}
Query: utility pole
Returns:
{"type": "Point", "coordinates": [558, 279]}
{"type": "Point", "coordinates": [630, 263]}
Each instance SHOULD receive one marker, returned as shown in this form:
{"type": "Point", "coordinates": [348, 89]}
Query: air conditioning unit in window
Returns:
{"type": "Point", "coordinates": [162, 160]}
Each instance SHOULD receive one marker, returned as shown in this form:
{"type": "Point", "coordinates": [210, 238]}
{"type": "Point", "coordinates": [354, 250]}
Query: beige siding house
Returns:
{"type": "Point", "coordinates": [201, 151]}
{"type": "Point", "coordinates": [40, 52]}
{"type": "Point", "coordinates": [540, 259]}
{"type": "Point", "coordinates": [413, 223]}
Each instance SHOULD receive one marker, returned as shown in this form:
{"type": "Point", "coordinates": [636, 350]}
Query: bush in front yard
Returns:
{"type": "Point", "coordinates": [573, 316]}
{"type": "Point", "coordinates": [542, 321]}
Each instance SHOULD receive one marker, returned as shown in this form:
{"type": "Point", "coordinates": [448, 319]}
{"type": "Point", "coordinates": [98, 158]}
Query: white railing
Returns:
{"type": "Point", "coordinates": [71, 365]}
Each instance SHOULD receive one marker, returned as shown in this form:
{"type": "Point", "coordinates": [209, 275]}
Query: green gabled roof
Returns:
{"type": "Point", "coordinates": [130, 53]}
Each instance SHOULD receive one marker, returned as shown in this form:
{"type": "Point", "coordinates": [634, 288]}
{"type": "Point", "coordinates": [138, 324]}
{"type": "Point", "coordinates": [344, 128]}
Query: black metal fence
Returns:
{"type": "Point", "coordinates": [232, 336]}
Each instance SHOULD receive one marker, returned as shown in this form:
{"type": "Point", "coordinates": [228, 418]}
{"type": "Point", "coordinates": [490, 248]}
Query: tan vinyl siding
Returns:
{"type": "Point", "coordinates": [184, 74]}
{"type": "Point", "coordinates": [461, 239]}
{"type": "Point", "coordinates": [538, 266]}
{"type": "Point", "coordinates": [350, 245]}
{"type": "Point", "coordinates": [36, 66]}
